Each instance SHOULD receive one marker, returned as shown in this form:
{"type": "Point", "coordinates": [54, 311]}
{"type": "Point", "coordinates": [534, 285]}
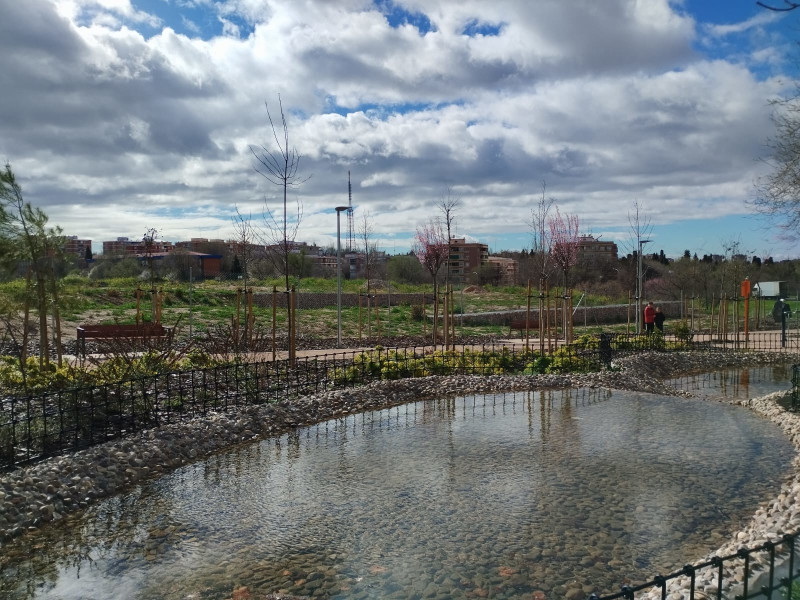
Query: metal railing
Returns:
{"type": "Point", "coordinates": [33, 427]}
{"type": "Point", "coordinates": [764, 570]}
{"type": "Point", "coordinates": [37, 426]}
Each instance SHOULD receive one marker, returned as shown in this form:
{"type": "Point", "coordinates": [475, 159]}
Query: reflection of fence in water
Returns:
{"type": "Point", "coordinates": [535, 403]}
{"type": "Point", "coordinates": [736, 383]}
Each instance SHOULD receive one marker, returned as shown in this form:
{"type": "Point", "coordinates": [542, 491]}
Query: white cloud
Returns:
{"type": "Point", "coordinates": [758, 20]}
{"type": "Point", "coordinates": [607, 103]}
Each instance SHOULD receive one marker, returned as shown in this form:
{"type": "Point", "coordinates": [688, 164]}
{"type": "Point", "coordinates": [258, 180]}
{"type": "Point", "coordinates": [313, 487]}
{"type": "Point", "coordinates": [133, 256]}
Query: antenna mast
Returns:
{"type": "Point", "coordinates": [349, 214]}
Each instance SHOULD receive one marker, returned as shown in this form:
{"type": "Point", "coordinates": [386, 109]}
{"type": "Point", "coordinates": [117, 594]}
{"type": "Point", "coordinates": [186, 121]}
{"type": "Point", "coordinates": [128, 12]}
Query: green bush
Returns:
{"type": "Point", "coordinates": [683, 332]}
{"type": "Point", "coordinates": [37, 379]}
{"type": "Point", "coordinates": [417, 312]}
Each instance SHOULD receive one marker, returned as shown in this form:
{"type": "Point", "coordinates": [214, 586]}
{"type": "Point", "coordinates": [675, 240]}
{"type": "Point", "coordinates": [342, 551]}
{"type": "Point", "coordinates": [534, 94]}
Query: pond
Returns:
{"type": "Point", "coordinates": [737, 383]}
{"type": "Point", "coordinates": [559, 491]}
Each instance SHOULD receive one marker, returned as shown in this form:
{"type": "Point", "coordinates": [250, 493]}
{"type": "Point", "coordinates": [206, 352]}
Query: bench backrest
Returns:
{"type": "Point", "coordinates": [111, 331]}
{"type": "Point", "coordinates": [520, 324]}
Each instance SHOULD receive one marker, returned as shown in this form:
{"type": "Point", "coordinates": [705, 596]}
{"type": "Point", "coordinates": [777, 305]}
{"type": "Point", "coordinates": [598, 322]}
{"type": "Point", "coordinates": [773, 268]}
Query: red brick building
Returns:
{"type": "Point", "coordinates": [75, 246]}
{"type": "Point", "coordinates": [123, 246]}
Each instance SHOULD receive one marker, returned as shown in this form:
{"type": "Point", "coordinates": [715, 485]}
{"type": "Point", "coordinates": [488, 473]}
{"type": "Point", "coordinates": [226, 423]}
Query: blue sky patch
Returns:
{"type": "Point", "coordinates": [397, 16]}
{"type": "Point", "coordinates": [190, 18]}
{"type": "Point", "coordinates": [475, 28]}
{"type": "Point", "coordinates": [386, 110]}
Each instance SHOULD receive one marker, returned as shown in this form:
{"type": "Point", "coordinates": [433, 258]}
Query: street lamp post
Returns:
{"type": "Point", "coordinates": [639, 287]}
{"type": "Point", "coordinates": [339, 210]}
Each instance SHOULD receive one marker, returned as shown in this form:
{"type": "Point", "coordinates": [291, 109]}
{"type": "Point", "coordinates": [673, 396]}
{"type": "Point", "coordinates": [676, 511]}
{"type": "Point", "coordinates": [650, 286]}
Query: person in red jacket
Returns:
{"type": "Point", "coordinates": [649, 318]}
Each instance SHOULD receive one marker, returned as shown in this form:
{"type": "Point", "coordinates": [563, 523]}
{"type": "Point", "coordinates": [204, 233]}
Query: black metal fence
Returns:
{"type": "Point", "coordinates": [33, 427]}
{"type": "Point", "coordinates": [764, 571]}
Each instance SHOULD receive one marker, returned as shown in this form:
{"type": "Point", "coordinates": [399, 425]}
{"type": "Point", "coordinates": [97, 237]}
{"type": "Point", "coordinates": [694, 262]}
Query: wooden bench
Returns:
{"type": "Point", "coordinates": [519, 325]}
{"type": "Point", "coordinates": [144, 331]}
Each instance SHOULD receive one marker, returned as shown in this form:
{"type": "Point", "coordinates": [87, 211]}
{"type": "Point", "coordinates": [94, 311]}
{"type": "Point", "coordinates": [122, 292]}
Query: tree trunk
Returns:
{"type": "Point", "coordinates": [56, 315]}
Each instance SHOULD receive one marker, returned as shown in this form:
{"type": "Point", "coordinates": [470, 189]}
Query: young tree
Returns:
{"type": "Point", "coordinates": [447, 205]}
{"type": "Point", "coordinates": [540, 235]}
{"type": "Point", "coordinates": [640, 230]}
{"type": "Point", "coordinates": [280, 166]}
{"type": "Point", "coordinates": [564, 234]}
{"type": "Point", "coordinates": [432, 250]}
{"type": "Point", "coordinates": [243, 234]}
{"type": "Point", "coordinates": [150, 241]}
{"type": "Point", "coordinates": [366, 233]}
{"type": "Point", "coordinates": [25, 237]}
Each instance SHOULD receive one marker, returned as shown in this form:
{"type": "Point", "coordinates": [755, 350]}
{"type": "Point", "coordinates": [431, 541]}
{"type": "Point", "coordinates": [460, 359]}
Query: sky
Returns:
{"type": "Point", "coordinates": [125, 115]}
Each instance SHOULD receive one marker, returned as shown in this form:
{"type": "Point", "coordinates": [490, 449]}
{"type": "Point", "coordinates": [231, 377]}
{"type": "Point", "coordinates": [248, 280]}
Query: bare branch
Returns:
{"type": "Point", "coordinates": [540, 234]}
{"type": "Point", "coordinates": [280, 166]}
{"type": "Point", "coordinates": [778, 193]}
{"type": "Point", "coordinates": [789, 6]}
{"type": "Point", "coordinates": [564, 233]}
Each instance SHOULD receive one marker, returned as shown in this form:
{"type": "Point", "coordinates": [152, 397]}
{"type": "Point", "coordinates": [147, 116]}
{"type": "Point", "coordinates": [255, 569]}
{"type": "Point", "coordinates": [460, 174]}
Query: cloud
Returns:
{"type": "Point", "coordinates": [607, 102]}
{"type": "Point", "coordinates": [756, 21]}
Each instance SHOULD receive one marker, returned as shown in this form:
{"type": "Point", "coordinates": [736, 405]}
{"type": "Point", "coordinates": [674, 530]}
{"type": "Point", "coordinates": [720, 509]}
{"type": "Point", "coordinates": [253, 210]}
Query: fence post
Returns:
{"type": "Point", "coordinates": [528, 315]}
{"type": "Point", "coordinates": [274, 315]}
{"type": "Point", "coordinates": [292, 341]}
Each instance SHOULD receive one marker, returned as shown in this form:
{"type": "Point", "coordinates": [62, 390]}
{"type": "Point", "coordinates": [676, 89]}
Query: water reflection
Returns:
{"type": "Point", "coordinates": [740, 383]}
{"type": "Point", "coordinates": [484, 495]}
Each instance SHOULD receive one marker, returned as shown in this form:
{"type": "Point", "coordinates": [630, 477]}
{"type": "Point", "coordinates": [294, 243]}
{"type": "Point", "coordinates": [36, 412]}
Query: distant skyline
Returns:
{"type": "Point", "coordinates": [122, 115]}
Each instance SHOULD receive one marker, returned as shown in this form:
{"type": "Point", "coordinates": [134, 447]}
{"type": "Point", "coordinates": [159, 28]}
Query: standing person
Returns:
{"type": "Point", "coordinates": [649, 318]}
{"type": "Point", "coordinates": [659, 319]}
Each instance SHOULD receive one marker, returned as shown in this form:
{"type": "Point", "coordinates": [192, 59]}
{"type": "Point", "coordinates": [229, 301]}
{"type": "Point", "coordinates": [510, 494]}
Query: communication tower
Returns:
{"type": "Point", "coordinates": [349, 214]}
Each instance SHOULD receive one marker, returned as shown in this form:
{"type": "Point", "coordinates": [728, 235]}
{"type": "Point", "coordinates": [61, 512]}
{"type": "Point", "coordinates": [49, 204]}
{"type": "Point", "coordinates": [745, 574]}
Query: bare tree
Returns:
{"type": "Point", "coordinates": [243, 234]}
{"type": "Point", "coordinates": [366, 232]}
{"type": "Point", "coordinates": [640, 228]}
{"type": "Point", "coordinates": [447, 205]}
{"type": "Point", "coordinates": [149, 241]}
{"type": "Point", "coordinates": [540, 235]}
{"type": "Point", "coordinates": [280, 167]}
{"type": "Point", "coordinates": [564, 233]}
{"type": "Point", "coordinates": [778, 193]}
{"type": "Point", "coordinates": [733, 267]}
{"type": "Point", "coordinates": [431, 248]}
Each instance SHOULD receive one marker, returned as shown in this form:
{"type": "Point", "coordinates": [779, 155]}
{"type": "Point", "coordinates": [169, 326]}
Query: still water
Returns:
{"type": "Point", "coordinates": [752, 382]}
{"type": "Point", "coordinates": [498, 496]}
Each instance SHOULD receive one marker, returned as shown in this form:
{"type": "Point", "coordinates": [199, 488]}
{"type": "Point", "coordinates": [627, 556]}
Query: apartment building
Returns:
{"type": "Point", "coordinates": [505, 268]}
{"type": "Point", "coordinates": [591, 250]}
{"type": "Point", "coordinates": [76, 247]}
{"type": "Point", "coordinates": [466, 258]}
{"type": "Point", "coordinates": [123, 246]}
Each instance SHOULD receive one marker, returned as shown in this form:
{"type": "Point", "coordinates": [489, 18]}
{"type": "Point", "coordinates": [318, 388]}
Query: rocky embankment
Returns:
{"type": "Point", "coordinates": [42, 493]}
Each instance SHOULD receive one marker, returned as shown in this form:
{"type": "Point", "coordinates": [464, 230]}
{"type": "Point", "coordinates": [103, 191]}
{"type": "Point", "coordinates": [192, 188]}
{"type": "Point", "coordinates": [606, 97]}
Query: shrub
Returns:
{"type": "Point", "coordinates": [683, 332]}
{"type": "Point", "coordinates": [417, 312]}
